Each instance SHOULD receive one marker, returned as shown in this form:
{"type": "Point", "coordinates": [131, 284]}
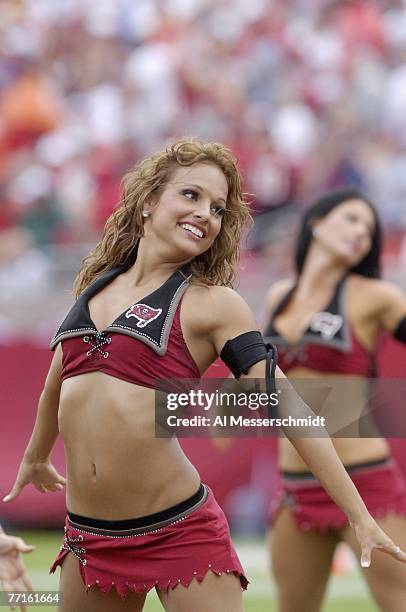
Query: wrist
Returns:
{"type": "Point", "coordinates": [360, 515]}
{"type": "Point", "coordinates": [33, 456]}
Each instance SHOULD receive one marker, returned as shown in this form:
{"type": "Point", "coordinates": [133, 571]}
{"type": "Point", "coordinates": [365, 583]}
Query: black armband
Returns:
{"type": "Point", "coordinates": [400, 331]}
{"type": "Point", "coordinates": [242, 352]}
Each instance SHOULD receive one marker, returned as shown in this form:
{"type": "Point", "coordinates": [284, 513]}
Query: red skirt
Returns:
{"type": "Point", "coordinates": [381, 485]}
{"type": "Point", "coordinates": [184, 549]}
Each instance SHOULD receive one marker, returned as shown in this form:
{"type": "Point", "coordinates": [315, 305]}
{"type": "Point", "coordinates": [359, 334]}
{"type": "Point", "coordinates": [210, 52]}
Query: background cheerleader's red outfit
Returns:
{"type": "Point", "coordinates": [330, 345]}
{"type": "Point", "coordinates": [380, 484]}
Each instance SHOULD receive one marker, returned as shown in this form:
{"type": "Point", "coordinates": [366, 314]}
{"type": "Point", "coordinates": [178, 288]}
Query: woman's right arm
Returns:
{"type": "Point", "coordinates": [36, 465]}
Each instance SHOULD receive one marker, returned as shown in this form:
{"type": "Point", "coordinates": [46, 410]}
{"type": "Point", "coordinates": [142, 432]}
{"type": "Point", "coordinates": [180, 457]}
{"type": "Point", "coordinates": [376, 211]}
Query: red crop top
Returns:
{"type": "Point", "coordinates": [144, 344]}
{"type": "Point", "coordinates": [329, 344]}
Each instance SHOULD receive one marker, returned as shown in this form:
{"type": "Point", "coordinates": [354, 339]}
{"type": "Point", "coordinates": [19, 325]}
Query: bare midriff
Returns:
{"type": "Point", "coordinates": [350, 450]}
{"type": "Point", "coordinates": [116, 468]}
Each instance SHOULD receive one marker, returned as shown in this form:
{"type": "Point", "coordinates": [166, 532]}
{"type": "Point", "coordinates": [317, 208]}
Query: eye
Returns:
{"type": "Point", "coordinates": [218, 210]}
{"type": "Point", "coordinates": [353, 218]}
{"type": "Point", "coordinates": [190, 194]}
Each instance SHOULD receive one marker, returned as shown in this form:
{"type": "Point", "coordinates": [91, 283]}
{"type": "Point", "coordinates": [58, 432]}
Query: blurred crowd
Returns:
{"type": "Point", "coordinates": [310, 94]}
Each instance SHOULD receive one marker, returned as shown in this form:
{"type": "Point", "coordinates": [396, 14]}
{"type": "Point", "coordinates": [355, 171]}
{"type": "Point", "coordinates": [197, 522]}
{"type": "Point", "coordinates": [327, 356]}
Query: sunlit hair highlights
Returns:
{"type": "Point", "coordinates": [124, 228]}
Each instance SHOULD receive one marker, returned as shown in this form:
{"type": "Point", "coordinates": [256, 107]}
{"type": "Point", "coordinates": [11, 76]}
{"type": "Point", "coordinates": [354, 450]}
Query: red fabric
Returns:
{"type": "Point", "coordinates": [130, 359]}
{"type": "Point", "coordinates": [383, 489]}
{"type": "Point", "coordinates": [175, 554]}
{"type": "Point", "coordinates": [323, 358]}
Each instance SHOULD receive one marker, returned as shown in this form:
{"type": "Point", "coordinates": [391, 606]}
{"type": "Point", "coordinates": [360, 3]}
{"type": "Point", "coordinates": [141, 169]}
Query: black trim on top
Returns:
{"type": "Point", "coordinates": [151, 322]}
{"type": "Point", "coordinates": [340, 339]}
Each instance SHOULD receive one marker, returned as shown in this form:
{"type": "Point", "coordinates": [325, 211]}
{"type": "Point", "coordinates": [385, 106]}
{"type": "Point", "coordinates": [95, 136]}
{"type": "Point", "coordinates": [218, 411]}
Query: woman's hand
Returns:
{"type": "Point", "coordinates": [370, 536]}
{"type": "Point", "coordinates": [13, 574]}
{"type": "Point", "coordinates": [41, 474]}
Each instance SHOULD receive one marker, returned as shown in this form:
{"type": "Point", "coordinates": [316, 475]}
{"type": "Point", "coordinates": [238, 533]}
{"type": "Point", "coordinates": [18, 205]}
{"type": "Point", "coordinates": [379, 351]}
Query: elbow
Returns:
{"type": "Point", "coordinates": [51, 393]}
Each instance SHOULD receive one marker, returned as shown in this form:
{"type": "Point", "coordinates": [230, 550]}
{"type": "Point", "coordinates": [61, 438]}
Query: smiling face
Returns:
{"type": "Point", "coordinates": [347, 231]}
{"type": "Point", "coordinates": [188, 213]}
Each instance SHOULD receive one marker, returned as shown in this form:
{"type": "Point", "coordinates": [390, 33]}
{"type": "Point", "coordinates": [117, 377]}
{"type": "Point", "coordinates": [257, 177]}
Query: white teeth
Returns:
{"type": "Point", "coordinates": [191, 228]}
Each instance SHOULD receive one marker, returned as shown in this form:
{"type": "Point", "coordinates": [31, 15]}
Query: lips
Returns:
{"type": "Point", "coordinates": [355, 246]}
{"type": "Point", "coordinates": [193, 230]}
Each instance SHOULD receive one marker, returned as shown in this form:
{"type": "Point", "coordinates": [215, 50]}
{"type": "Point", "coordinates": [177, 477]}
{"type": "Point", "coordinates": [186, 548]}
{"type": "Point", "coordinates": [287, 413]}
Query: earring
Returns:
{"type": "Point", "coordinates": [145, 213]}
{"type": "Point", "coordinates": [315, 232]}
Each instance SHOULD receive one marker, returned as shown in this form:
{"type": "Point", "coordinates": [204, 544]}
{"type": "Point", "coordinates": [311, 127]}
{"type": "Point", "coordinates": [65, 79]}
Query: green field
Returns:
{"type": "Point", "coordinates": [346, 592]}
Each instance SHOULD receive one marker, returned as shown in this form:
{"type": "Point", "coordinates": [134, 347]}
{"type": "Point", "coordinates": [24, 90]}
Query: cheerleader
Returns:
{"type": "Point", "coordinates": [326, 323]}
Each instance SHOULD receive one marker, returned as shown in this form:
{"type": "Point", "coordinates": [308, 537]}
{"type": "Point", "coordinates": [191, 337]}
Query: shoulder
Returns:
{"type": "Point", "coordinates": [381, 300]}
{"type": "Point", "coordinates": [217, 301]}
{"type": "Point", "coordinates": [377, 292]}
{"type": "Point", "coordinates": [212, 306]}
{"type": "Point", "coordinates": [276, 292]}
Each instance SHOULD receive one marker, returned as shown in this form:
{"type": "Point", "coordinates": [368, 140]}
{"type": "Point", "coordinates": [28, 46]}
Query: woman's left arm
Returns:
{"type": "Point", "coordinates": [234, 318]}
{"type": "Point", "coordinates": [391, 309]}
{"type": "Point", "coordinates": [322, 459]}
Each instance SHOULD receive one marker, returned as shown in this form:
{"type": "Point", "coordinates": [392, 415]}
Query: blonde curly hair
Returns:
{"type": "Point", "coordinates": [125, 227]}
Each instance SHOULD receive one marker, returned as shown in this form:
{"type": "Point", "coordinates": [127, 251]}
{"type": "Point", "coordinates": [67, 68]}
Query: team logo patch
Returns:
{"type": "Point", "coordinates": [144, 313]}
{"type": "Point", "coordinates": [326, 324]}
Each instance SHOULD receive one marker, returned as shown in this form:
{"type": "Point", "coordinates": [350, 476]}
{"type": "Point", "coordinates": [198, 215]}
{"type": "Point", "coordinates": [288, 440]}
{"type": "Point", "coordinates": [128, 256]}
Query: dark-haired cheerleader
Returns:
{"type": "Point", "coordinates": [326, 323]}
